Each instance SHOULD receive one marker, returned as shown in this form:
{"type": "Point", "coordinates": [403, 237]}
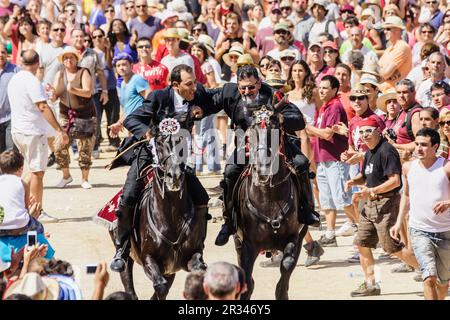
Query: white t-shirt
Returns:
{"type": "Point", "coordinates": [171, 62]}
{"type": "Point", "coordinates": [12, 203]}
{"type": "Point", "coordinates": [426, 187]}
{"type": "Point", "coordinates": [319, 27]}
{"type": "Point", "coordinates": [24, 91]}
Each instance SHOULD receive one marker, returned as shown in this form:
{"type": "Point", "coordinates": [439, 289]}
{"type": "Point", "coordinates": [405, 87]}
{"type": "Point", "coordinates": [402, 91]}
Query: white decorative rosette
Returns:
{"type": "Point", "coordinates": [169, 126]}
{"type": "Point", "coordinates": [262, 114]}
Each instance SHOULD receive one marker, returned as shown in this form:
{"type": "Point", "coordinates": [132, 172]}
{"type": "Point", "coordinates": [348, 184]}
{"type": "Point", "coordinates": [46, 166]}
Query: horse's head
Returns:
{"type": "Point", "coordinates": [171, 150]}
{"type": "Point", "coordinates": [265, 139]}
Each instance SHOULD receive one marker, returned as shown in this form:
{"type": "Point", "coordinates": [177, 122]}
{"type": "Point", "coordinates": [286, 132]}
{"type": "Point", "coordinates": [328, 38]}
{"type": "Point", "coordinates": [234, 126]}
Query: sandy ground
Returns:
{"type": "Point", "coordinates": [80, 241]}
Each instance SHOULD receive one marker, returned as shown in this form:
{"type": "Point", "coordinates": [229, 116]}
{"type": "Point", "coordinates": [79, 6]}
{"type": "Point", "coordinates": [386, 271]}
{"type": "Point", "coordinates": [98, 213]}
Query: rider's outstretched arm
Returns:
{"type": "Point", "coordinates": [140, 121]}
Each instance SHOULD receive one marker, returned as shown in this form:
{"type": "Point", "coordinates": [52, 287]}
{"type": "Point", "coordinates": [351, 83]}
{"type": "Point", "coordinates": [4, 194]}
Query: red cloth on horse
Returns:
{"type": "Point", "coordinates": [107, 215]}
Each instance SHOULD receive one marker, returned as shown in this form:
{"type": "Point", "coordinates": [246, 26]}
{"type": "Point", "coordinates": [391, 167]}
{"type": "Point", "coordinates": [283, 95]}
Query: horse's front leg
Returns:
{"type": "Point", "coordinates": [288, 263]}
{"type": "Point", "coordinates": [126, 277]}
{"type": "Point", "coordinates": [247, 258]}
{"type": "Point", "coordinates": [153, 272]}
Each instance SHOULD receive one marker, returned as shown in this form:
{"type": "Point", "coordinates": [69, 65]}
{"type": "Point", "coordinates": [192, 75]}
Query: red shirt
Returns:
{"type": "Point", "coordinates": [162, 52]}
{"type": "Point", "coordinates": [400, 126]}
{"type": "Point", "coordinates": [354, 139]}
{"type": "Point", "coordinates": [329, 114]}
{"type": "Point", "coordinates": [155, 73]}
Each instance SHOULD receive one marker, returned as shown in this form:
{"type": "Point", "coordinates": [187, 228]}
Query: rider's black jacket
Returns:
{"type": "Point", "coordinates": [228, 98]}
{"type": "Point", "coordinates": [160, 105]}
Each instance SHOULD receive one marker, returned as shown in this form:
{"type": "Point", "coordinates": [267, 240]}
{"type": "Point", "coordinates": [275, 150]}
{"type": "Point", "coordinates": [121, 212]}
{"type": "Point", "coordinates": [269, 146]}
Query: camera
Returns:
{"type": "Point", "coordinates": [390, 133]}
{"type": "Point", "coordinates": [31, 238]}
{"type": "Point", "coordinates": [91, 268]}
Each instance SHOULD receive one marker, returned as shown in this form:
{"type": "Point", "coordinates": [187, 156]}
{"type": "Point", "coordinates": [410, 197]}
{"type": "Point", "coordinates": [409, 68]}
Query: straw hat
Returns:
{"type": "Point", "coordinates": [381, 101]}
{"type": "Point", "coordinates": [185, 35]}
{"type": "Point", "coordinates": [35, 286]}
{"type": "Point", "coordinates": [391, 6]}
{"type": "Point", "coordinates": [236, 49]}
{"type": "Point", "coordinates": [245, 59]}
{"type": "Point", "coordinates": [207, 41]}
{"type": "Point", "coordinates": [68, 50]}
{"type": "Point", "coordinates": [393, 22]}
{"type": "Point", "coordinates": [371, 67]}
{"type": "Point", "coordinates": [359, 91]}
{"type": "Point", "coordinates": [274, 80]}
{"type": "Point", "coordinates": [367, 13]}
{"type": "Point", "coordinates": [368, 78]}
{"type": "Point", "coordinates": [367, 3]}
{"type": "Point", "coordinates": [155, 4]}
{"type": "Point", "coordinates": [171, 33]}
{"type": "Point", "coordinates": [287, 53]}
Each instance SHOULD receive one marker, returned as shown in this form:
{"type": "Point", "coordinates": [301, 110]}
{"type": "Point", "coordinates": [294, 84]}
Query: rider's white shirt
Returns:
{"type": "Point", "coordinates": [178, 103]}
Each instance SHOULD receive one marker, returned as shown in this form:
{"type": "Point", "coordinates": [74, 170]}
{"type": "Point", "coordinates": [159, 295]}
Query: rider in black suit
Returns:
{"type": "Point", "coordinates": [181, 100]}
{"type": "Point", "coordinates": [230, 98]}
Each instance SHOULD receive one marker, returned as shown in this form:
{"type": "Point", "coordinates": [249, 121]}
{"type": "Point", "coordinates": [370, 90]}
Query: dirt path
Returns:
{"type": "Point", "coordinates": [80, 241]}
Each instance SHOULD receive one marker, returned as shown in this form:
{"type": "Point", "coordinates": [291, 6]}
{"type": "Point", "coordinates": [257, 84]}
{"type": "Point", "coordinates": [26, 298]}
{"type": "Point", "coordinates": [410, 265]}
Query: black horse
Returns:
{"type": "Point", "coordinates": [169, 232]}
{"type": "Point", "coordinates": [267, 202]}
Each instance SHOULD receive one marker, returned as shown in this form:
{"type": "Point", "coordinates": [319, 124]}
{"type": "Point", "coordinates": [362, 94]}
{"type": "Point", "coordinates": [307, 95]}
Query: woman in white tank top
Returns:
{"type": "Point", "coordinates": [304, 93]}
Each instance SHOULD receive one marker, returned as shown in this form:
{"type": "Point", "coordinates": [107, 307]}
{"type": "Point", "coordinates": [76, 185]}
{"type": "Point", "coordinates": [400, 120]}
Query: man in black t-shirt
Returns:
{"type": "Point", "coordinates": [380, 182]}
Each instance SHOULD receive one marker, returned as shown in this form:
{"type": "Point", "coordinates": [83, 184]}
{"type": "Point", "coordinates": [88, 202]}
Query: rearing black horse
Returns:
{"type": "Point", "coordinates": [169, 232]}
{"type": "Point", "coordinates": [268, 202]}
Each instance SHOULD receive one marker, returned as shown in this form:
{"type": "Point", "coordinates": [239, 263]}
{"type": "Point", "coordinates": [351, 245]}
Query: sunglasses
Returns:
{"type": "Point", "coordinates": [87, 40]}
{"type": "Point", "coordinates": [287, 59]}
{"type": "Point", "coordinates": [366, 132]}
{"type": "Point", "coordinates": [282, 32]}
{"type": "Point", "coordinates": [146, 46]}
{"type": "Point", "coordinates": [286, 9]}
{"type": "Point", "coordinates": [443, 123]}
{"type": "Point", "coordinates": [142, 6]}
{"type": "Point", "coordinates": [272, 2]}
{"type": "Point", "coordinates": [249, 87]}
{"type": "Point", "coordinates": [346, 11]}
{"type": "Point", "coordinates": [197, 30]}
{"type": "Point", "coordinates": [360, 98]}
{"type": "Point", "coordinates": [264, 66]}
{"type": "Point", "coordinates": [97, 37]}
{"type": "Point", "coordinates": [59, 29]}
{"type": "Point", "coordinates": [109, 10]}
{"type": "Point", "coordinates": [427, 31]}
{"type": "Point", "coordinates": [431, 2]}
{"type": "Point", "coordinates": [329, 51]}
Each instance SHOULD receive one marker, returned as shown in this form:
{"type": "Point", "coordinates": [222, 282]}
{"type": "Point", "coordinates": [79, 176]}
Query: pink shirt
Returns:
{"type": "Point", "coordinates": [329, 114]}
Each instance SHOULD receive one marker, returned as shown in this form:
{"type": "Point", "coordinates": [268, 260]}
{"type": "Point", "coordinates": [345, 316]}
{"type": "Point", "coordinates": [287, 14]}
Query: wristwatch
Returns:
{"type": "Point", "coordinates": [372, 193]}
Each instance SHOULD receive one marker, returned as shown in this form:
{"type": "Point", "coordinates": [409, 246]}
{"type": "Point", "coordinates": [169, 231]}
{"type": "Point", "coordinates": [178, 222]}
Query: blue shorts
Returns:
{"type": "Point", "coordinates": [331, 178]}
{"type": "Point", "coordinates": [432, 251]}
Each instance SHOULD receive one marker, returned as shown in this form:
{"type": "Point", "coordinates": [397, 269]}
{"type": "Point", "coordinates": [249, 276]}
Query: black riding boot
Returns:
{"type": "Point", "coordinates": [125, 215]}
{"type": "Point", "coordinates": [227, 228]}
{"type": "Point", "coordinates": [307, 214]}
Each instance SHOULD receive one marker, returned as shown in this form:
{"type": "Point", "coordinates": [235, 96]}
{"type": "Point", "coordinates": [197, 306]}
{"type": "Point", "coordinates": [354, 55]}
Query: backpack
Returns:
{"type": "Point", "coordinates": [408, 122]}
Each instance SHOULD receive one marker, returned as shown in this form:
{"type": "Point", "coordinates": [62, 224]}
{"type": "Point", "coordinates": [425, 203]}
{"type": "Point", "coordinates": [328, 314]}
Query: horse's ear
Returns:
{"type": "Point", "coordinates": [279, 100]}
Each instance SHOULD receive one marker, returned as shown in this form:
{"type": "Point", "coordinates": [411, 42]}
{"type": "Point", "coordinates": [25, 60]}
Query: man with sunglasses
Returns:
{"type": "Point", "coordinates": [238, 102]}
{"type": "Point", "coordinates": [281, 35]}
{"type": "Point", "coordinates": [431, 14]}
{"type": "Point", "coordinates": [353, 156]}
{"type": "Point", "coordinates": [380, 183]}
{"type": "Point", "coordinates": [144, 24]}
